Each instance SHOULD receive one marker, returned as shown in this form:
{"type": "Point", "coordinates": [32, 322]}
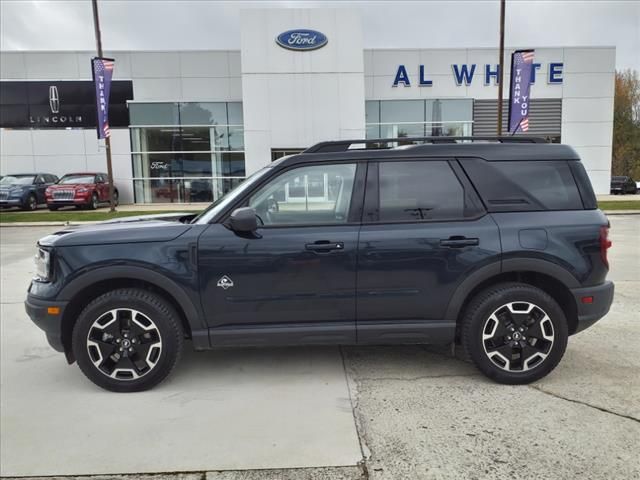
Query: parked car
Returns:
{"type": "Point", "coordinates": [25, 190]}
{"type": "Point", "coordinates": [496, 246]}
{"type": "Point", "coordinates": [623, 184]}
{"type": "Point", "coordinates": [82, 190]}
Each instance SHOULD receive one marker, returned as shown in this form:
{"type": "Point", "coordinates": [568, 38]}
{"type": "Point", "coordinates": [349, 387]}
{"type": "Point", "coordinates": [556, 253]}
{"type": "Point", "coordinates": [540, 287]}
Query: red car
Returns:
{"type": "Point", "coordinates": [82, 190]}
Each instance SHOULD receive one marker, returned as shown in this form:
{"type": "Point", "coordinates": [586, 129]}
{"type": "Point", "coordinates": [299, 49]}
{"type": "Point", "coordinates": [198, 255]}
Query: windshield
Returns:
{"type": "Point", "coordinates": [221, 203]}
{"type": "Point", "coordinates": [72, 179]}
{"type": "Point", "coordinates": [17, 180]}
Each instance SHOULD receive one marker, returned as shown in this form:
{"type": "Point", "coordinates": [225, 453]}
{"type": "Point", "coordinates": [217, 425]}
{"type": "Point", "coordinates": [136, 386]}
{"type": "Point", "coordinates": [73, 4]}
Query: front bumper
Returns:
{"type": "Point", "coordinates": [66, 202]}
{"type": "Point", "coordinates": [11, 202]}
{"type": "Point", "coordinates": [590, 313]}
{"type": "Point", "coordinates": [51, 324]}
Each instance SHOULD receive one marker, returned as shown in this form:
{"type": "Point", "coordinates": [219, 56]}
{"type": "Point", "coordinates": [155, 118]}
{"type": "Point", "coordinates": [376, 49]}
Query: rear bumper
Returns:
{"type": "Point", "coordinates": [590, 313]}
{"type": "Point", "coordinates": [38, 311]}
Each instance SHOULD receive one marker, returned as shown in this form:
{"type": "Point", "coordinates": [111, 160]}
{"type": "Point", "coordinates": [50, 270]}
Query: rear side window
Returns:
{"type": "Point", "coordinates": [524, 185]}
{"type": "Point", "coordinates": [420, 190]}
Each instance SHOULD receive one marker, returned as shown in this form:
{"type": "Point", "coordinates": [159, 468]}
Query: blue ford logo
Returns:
{"type": "Point", "coordinates": [301, 39]}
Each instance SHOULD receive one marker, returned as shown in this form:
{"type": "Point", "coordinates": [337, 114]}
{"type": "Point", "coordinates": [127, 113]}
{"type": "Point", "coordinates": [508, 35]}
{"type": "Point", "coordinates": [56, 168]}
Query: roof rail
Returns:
{"type": "Point", "coordinates": [376, 143]}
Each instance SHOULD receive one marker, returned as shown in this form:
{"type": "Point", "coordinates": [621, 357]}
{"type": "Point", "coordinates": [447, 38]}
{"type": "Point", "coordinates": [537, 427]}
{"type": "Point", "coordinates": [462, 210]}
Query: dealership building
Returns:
{"type": "Point", "coordinates": [188, 125]}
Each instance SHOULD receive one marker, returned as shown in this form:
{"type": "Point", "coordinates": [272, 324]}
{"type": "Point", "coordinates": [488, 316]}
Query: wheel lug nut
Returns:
{"type": "Point", "coordinates": [508, 337]}
{"type": "Point", "coordinates": [121, 349]}
{"type": "Point", "coordinates": [118, 340]}
{"type": "Point", "coordinates": [131, 349]}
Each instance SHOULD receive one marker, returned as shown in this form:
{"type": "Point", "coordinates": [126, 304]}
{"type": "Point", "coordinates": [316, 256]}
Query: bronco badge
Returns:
{"type": "Point", "coordinates": [225, 282]}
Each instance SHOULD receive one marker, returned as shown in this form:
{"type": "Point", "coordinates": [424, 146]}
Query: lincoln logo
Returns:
{"type": "Point", "coordinates": [54, 99]}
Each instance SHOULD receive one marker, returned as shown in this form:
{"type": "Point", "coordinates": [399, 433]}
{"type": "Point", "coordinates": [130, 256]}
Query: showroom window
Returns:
{"type": "Point", "coordinates": [419, 118]}
{"type": "Point", "coordinates": [186, 152]}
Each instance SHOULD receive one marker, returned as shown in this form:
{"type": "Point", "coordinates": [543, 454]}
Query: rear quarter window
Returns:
{"type": "Point", "coordinates": [524, 185]}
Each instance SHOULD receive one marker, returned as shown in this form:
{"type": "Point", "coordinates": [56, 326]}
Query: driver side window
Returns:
{"type": "Point", "coordinates": [317, 194]}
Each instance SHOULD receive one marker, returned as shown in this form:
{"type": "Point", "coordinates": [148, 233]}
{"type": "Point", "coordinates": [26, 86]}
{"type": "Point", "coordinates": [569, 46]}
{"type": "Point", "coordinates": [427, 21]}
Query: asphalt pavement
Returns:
{"type": "Point", "coordinates": [346, 413]}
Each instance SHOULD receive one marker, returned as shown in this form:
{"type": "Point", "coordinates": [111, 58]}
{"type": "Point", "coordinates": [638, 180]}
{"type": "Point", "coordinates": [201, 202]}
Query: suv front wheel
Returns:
{"type": "Point", "coordinates": [515, 333]}
{"type": "Point", "coordinates": [127, 340]}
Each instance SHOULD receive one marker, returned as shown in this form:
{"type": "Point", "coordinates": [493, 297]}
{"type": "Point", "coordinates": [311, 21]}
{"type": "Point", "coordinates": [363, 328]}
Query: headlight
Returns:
{"type": "Point", "coordinates": [82, 190]}
{"type": "Point", "coordinates": [16, 192]}
{"type": "Point", "coordinates": [43, 265]}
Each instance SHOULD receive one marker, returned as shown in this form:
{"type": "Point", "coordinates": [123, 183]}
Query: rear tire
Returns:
{"type": "Point", "coordinates": [515, 333]}
{"type": "Point", "coordinates": [127, 340]}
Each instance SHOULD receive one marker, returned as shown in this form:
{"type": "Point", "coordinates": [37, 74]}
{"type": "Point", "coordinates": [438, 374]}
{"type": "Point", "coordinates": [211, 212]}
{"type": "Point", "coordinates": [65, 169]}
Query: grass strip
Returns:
{"type": "Point", "coordinates": [73, 216]}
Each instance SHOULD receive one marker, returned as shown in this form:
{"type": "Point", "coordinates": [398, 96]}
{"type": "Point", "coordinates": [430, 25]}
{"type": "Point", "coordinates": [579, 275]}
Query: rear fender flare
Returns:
{"type": "Point", "coordinates": [506, 266]}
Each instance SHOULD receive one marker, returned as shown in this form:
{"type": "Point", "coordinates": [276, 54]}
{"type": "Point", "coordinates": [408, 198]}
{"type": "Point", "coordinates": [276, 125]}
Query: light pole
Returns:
{"type": "Point", "coordinates": [501, 67]}
{"type": "Point", "coordinates": [107, 140]}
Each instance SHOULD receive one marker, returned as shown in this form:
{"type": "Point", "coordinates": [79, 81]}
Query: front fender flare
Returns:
{"type": "Point", "coordinates": [190, 308]}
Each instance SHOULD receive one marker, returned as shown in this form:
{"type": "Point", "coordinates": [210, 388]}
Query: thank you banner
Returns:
{"type": "Point", "coordinates": [519, 99]}
{"type": "Point", "coordinates": [102, 74]}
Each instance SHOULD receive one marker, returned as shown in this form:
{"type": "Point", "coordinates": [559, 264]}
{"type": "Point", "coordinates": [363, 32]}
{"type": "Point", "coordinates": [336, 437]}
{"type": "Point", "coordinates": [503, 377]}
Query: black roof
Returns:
{"type": "Point", "coordinates": [487, 148]}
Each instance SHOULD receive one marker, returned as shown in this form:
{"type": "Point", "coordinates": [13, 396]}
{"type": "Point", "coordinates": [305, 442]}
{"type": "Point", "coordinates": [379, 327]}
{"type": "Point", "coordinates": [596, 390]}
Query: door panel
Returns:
{"type": "Point", "coordinates": [293, 280]}
{"type": "Point", "coordinates": [275, 279]}
{"type": "Point", "coordinates": [426, 232]}
{"type": "Point", "coordinates": [410, 271]}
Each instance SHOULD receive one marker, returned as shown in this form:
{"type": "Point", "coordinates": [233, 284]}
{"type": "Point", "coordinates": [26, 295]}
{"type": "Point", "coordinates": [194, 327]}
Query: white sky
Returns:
{"type": "Point", "coordinates": [191, 24]}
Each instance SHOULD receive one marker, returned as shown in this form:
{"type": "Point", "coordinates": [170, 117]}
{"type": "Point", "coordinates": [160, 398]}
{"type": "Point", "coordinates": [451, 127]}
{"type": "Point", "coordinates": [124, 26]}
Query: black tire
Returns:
{"type": "Point", "coordinates": [115, 198]}
{"type": "Point", "coordinates": [523, 365]}
{"type": "Point", "coordinates": [94, 202]}
{"type": "Point", "coordinates": [31, 204]}
{"type": "Point", "coordinates": [119, 376]}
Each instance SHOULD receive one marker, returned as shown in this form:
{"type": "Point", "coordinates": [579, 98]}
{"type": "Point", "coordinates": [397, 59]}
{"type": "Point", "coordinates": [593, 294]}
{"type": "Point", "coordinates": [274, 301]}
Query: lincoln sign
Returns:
{"type": "Point", "coordinates": [60, 104]}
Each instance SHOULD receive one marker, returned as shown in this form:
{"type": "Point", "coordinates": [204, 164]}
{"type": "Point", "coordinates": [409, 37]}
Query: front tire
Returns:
{"type": "Point", "coordinates": [94, 202]}
{"type": "Point", "coordinates": [31, 204]}
{"type": "Point", "coordinates": [127, 340]}
{"type": "Point", "coordinates": [515, 333]}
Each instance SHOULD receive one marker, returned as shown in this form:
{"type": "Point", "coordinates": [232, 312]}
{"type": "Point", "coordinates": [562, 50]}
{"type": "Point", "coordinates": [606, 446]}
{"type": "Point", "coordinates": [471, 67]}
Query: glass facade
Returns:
{"type": "Point", "coordinates": [186, 152]}
{"type": "Point", "coordinates": [419, 118]}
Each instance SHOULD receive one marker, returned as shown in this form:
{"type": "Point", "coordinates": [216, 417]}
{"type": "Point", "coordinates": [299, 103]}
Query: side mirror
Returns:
{"type": "Point", "coordinates": [243, 220]}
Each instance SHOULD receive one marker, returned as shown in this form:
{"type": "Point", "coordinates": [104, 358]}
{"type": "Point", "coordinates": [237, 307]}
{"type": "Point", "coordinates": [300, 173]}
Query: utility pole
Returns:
{"type": "Point", "coordinates": [501, 67]}
{"type": "Point", "coordinates": [107, 140]}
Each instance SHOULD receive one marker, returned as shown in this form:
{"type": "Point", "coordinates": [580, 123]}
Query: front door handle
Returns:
{"type": "Point", "coordinates": [322, 246]}
{"type": "Point", "coordinates": [459, 242]}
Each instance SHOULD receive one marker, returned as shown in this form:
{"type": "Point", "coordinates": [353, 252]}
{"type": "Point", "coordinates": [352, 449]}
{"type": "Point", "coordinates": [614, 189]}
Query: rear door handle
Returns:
{"type": "Point", "coordinates": [324, 246]}
{"type": "Point", "coordinates": [459, 242]}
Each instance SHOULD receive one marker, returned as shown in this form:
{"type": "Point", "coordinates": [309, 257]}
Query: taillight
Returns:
{"type": "Point", "coordinates": [605, 244]}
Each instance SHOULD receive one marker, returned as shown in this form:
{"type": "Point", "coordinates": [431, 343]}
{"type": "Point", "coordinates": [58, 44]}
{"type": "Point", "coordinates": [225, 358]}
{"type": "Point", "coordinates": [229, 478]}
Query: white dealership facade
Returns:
{"type": "Point", "coordinates": [194, 123]}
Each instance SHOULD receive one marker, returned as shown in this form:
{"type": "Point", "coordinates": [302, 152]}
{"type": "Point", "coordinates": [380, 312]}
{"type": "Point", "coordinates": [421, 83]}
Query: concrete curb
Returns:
{"type": "Point", "coordinates": [77, 223]}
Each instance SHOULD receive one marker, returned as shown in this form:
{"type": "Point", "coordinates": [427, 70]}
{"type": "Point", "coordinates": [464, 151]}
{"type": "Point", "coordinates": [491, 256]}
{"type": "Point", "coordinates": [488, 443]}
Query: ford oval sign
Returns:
{"type": "Point", "coordinates": [301, 39]}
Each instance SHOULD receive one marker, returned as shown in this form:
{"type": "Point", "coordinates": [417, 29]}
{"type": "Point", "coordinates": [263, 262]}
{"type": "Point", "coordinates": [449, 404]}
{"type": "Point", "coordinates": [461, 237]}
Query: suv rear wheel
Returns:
{"type": "Point", "coordinates": [127, 340]}
{"type": "Point", "coordinates": [515, 333]}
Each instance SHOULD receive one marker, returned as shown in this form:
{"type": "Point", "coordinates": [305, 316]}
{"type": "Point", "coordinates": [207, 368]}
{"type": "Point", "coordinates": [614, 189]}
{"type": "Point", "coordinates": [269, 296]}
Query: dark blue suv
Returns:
{"type": "Point", "coordinates": [496, 244]}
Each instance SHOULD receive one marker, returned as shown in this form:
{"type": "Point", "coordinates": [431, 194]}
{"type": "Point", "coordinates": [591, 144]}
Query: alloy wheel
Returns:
{"type": "Point", "coordinates": [518, 336]}
{"type": "Point", "coordinates": [124, 344]}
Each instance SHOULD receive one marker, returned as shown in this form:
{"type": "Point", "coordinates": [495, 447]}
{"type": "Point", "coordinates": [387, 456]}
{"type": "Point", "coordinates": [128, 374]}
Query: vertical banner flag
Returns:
{"type": "Point", "coordinates": [519, 100]}
{"type": "Point", "coordinates": [102, 72]}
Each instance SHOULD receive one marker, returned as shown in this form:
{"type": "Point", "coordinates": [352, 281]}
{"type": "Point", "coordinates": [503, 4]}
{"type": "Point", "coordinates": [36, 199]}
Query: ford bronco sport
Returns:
{"type": "Point", "coordinates": [496, 244]}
